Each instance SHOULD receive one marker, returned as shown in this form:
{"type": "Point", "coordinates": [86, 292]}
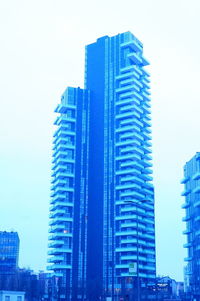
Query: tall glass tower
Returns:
{"type": "Point", "coordinates": [111, 211]}
{"type": "Point", "coordinates": [191, 193]}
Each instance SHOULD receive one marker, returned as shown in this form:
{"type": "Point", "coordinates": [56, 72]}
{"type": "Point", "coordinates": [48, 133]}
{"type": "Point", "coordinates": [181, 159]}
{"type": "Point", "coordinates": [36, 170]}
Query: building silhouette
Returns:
{"type": "Point", "coordinates": [191, 193]}
{"type": "Point", "coordinates": [102, 236]}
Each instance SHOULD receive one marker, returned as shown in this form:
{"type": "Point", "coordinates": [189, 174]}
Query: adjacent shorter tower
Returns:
{"type": "Point", "coordinates": [69, 197]}
{"type": "Point", "coordinates": [191, 193]}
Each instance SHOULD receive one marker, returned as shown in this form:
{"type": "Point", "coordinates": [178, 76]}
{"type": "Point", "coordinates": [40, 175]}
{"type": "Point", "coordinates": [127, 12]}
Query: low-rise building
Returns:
{"type": "Point", "coordinates": [11, 296]}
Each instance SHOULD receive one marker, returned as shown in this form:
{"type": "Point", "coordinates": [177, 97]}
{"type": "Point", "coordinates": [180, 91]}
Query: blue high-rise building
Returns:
{"type": "Point", "coordinates": [191, 193]}
{"type": "Point", "coordinates": [108, 196]}
{"type": "Point", "coordinates": [69, 198]}
{"type": "Point", "coordinates": [9, 252]}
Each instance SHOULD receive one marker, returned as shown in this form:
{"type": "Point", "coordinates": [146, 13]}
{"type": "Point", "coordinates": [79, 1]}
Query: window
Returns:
{"type": "Point", "coordinates": [7, 298]}
{"type": "Point", "coordinates": [19, 298]}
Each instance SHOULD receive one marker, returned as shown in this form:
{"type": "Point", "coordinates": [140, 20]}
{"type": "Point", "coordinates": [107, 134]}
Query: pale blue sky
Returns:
{"type": "Point", "coordinates": [42, 52]}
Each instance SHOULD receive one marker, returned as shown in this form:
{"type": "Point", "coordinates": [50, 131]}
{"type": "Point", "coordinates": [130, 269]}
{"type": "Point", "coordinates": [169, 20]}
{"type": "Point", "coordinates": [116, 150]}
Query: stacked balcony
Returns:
{"type": "Point", "coordinates": [135, 237]}
{"type": "Point", "coordinates": [62, 191]}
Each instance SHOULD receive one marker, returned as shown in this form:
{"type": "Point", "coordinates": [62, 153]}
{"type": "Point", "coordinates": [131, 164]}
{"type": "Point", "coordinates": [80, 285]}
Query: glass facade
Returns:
{"type": "Point", "coordinates": [191, 193]}
{"type": "Point", "coordinates": [9, 252]}
{"type": "Point", "coordinates": [111, 248]}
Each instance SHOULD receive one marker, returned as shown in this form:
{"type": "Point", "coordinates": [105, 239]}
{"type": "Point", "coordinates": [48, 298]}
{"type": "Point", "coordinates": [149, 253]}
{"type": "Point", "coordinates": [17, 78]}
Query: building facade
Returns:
{"type": "Point", "coordinates": [11, 296]}
{"type": "Point", "coordinates": [111, 249]}
{"type": "Point", "coordinates": [9, 252]}
{"type": "Point", "coordinates": [191, 193]}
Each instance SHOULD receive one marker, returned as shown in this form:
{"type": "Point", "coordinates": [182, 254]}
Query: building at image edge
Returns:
{"type": "Point", "coordinates": [191, 205]}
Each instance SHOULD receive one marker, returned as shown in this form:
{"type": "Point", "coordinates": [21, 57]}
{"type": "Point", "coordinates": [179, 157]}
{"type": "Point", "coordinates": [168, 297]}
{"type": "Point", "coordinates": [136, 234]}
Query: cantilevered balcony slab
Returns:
{"type": "Point", "coordinates": [186, 218]}
{"type": "Point", "coordinates": [131, 68]}
{"type": "Point", "coordinates": [131, 120]}
{"type": "Point", "coordinates": [128, 186]}
{"type": "Point", "coordinates": [127, 75]}
{"type": "Point", "coordinates": [188, 259]}
{"type": "Point", "coordinates": [57, 227]}
{"type": "Point", "coordinates": [58, 197]}
{"type": "Point", "coordinates": [128, 171]}
{"type": "Point", "coordinates": [186, 192]}
{"type": "Point", "coordinates": [187, 245]}
{"type": "Point", "coordinates": [57, 212]}
{"type": "Point", "coordinates": [128, 114]}
{"type": "Point", "coordinates": [58, 235]}
{"type": "Point", "coordinates": [58, 182]}
{"type": "Point", "coordinates": [56, 259]}
{"type": "Point", "coordinates": [186, 232]}
{"type": "Point", "coordinates": [63, 189]}
{"type": "Point", "coordinates": [132, 135]}
{"type": "Point", "coordinates": [123, 157]}
{"type": "Point", "coordinates": [56, 251]}
{"type": "Point", "coordinates": [127, 88]}
{"type": "Point", "coordinates": [135, 58]}
{"type": "Point", "coordinates": [129, 127]}
{"type": "Point", "coordinates": [131, 81]}
{"type": "Point", "coordinates": [146, 96]}
{"type": "Point", "coordinates": [62, 120]}
{"type": "Point", "coordinates": [128, 99]}
{"type": "Point", "coordinates": [132, 149]}
{"type": "Point", "coordinates": [62, 108]}
{"type": "Point", "coordinates": [131, 107]}
{"type": "Point", "coordinates": [145, 62]}
{"type": "Point", "coordinates": [59, 267]}
{"type": "Point", "coordinates": [56, 243]}
{"type": "Point", "coordinates": [62, 175]}
{"type": "Point", "coordinates": [185, 180]}
{"type": "Point", "coordinates": [134, 257]}
{"type": "Point", "coordinates": [196, 189]}
{"type": "Point", "coordinates": [186, 205]}
{"type": "Point", "coordinates": [128, 142]}
{"type": "Point", "coordinates": [61, 205]}
{"type": "Point", "coordinates": [60, 220]}
{"type": "Point", "coordinates": [133, 44]}
{"type": "Point", "coordinates": [133, 179]}
{"type": "Point", "coordinates": [135, 194]}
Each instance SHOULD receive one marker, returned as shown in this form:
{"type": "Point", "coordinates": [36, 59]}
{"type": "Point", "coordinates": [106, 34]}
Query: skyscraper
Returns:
{"type": "Point", "coordinates": [111, 212]}
{"type": "Point", "coordinates": [191, 193]}
{"type": "Point", "coordinates": [9, 252]}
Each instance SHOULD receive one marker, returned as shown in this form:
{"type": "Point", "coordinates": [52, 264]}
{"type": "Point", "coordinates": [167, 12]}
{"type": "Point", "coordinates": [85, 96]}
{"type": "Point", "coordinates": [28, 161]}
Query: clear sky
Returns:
{"type": "Point", "coordinates": [42, 52]}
